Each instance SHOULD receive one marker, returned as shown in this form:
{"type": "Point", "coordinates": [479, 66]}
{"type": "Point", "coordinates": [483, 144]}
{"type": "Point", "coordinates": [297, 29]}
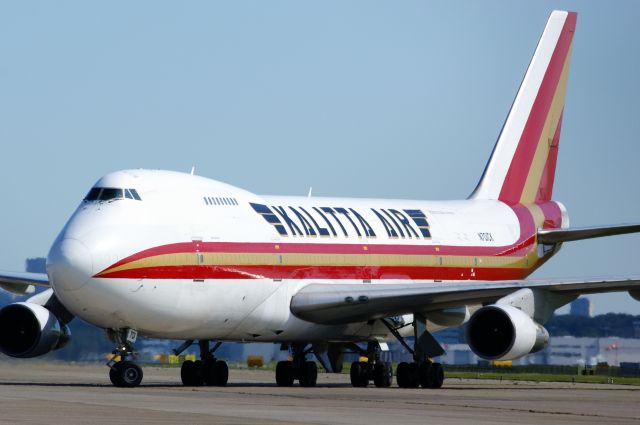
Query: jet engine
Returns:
{"type": "Point", "coordinates": [30, 330]}
{"type": "Point", "coordinates": [504, 332]}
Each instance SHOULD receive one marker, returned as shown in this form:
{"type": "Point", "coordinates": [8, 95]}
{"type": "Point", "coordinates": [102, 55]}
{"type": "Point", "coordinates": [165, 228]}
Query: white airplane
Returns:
{"type": "Point", "coordinates": [172, 255]}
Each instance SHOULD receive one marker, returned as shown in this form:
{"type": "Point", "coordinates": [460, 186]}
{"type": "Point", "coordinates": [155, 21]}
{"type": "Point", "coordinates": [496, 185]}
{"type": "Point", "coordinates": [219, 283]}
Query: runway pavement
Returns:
{"type": "Point", "coordinates": [50, 393]}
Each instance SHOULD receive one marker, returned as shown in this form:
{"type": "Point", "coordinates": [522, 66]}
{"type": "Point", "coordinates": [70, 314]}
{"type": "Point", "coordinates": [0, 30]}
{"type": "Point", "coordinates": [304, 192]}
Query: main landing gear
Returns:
{"type": "Point", "coordinates": [306, 372]}
{"type": "Point", "coordinates": [124, 372]}
{"type": "Point", "coordinates": [426, 374]}
{"type": "Point", "coordinates": [372, 370]}
{"type": "Point", "coordinates": [206, 371]}
{"type": "Point", "coordinates": [422, 372]}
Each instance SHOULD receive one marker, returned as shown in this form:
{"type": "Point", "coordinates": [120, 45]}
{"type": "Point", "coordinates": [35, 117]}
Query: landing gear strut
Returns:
{"type": "Point", "coordinates": [423, 371]}
{"type": "Point", "coordinates": [306, 372]}
{"type": "Point", "coordinates": [206, 371]}
{"type": "Point", "coordinates": [124, 372]}
{"type": "Point", "coordinates": [372, 370]}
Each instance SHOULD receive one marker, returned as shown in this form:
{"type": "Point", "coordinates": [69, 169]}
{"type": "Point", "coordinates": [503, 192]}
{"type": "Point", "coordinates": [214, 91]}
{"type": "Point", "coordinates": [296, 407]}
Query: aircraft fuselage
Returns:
{"type": "Point", "coordinates": [195, 258]}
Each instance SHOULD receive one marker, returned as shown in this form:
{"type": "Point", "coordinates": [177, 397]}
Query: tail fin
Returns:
{"type": "Point", "coordinates": [523, 163]}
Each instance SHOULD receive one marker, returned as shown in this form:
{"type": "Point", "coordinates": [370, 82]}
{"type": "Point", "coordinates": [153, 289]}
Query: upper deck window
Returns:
{"type": "Point", "coordinates": [111, 194]}
{"type": "Point", "coordinates": [214, 200]}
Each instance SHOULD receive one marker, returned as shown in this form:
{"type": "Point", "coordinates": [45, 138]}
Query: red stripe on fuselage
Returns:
{"type": "Point", "coordinates": [321, 272]}
{"type": "Point", "coordinates": [524, 245]}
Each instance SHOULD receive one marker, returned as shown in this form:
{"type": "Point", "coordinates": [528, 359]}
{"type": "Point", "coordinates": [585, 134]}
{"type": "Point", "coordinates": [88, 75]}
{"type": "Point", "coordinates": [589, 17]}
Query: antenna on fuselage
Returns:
{"type": "Point", "coordinates": [193, 169]}
{"type": "Point", "coordinates": [310, 190]}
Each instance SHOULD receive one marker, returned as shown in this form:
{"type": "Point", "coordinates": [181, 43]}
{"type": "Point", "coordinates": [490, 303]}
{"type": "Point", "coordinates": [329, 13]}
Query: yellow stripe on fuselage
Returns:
{"type": "Point", "coordinates": [304, 259]}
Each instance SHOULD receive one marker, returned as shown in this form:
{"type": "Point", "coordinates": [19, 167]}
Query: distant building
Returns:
{"type": "Point", "coordinates": [458, 354]}
{"type": "Point", "coordinates": [562, 350]}
{"type": "Point", "coordinates": [453, 335]}
{"type": "Point", "coordinates": [582, 307]}
{"type": "Point", "coordinates": [35, 265]}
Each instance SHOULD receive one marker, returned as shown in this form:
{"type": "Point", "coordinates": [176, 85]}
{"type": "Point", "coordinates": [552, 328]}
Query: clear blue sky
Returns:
{"type": "Point", "coordinates": [358, 98]}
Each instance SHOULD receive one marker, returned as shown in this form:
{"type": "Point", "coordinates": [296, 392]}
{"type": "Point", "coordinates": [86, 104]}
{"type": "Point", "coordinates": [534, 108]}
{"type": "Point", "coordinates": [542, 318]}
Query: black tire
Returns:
{"type": "Point", "coordinates": [407, 375]}
{"type": "Point", "coordinates": [413, 378]}
{"type": "Point", "coordinates": [359, 374]}
{"type": "Point", "coordinates": [221, 373]}
{"type": "Point", "coordinates": [382, 375]}
{"type": "Point", "coordinates": [191, 373]}
{"type": "Point", "coordinates": [114, 375]}
{"type": "Point", "coordinates": [425, 374]}
{"type": "Point", "coordinates": [402, 377]}
{"type": "Point", "coordinates": [198, 367]}
{"type": "Point", "coordinates": [126, 374]}
{"type": "Point", "coordinates": [309, 374]}
{"type": "Point", "coordinates": [209, 373]}
{"type": "Point", "coordinates": [284, 374]}
{"type": "Point", "coordinates": [437, 375]}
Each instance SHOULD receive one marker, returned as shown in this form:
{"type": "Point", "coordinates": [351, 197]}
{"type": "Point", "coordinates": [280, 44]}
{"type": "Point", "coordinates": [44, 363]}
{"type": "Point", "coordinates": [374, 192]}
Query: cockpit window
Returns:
{"type": "Point", "coordinates": [93, 194]}
{"type": "Point", "coordinates": [135, 195]}
{"type": "Point", "coordinates": [111, 194]}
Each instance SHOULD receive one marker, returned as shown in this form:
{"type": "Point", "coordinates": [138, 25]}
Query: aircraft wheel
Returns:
{"type": "Point", "coordinates": [191, 373]}
{"type": "Point", "coordinates": [407, 375]}
{"type": "Point", "coordinates": [424, 375]}
{"type": "Point", "coordinates": [125, 374]}
{"type": "Point", "coordinates": [215, 373]}
{"type": "Point", "coordinates": [209, 373]}
{"type": "Point", "coordinates": [222, 373]}
{"type": "Point", "coordinates": [114, 376]}
{"type": "Point", "coordinates": [436, 375]}
{"type": "Point", "coordinates": [401, 375]}
{"type": "Point", "coordinates": [284, 373]}
{"type": "Point", "coordinates": [382, 375]}
{"type": "Point", "coordinates": [309, 374]}
{"type": "Point", "coordinates": [359, 374]}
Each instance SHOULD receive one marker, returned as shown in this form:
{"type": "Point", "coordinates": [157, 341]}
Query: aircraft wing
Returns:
{"type": "Point", "coordinates": [22, 283]}
{"type": "Point", "coordinates": [551, 236]}
{"type": "Point", "coordinates": [326, 303]}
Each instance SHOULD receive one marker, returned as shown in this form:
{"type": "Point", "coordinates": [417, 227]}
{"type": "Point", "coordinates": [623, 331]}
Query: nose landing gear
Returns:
{"type": "Point", "coordinates": [124, 373]}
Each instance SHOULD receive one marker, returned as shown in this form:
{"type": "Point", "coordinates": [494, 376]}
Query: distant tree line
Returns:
{"type": "Point", "coordinates": [604, 325]}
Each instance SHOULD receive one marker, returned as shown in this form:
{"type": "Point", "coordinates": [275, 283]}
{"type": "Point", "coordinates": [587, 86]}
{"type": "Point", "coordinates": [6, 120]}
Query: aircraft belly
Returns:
{"type": "Point", "coordinates": [239, 310]}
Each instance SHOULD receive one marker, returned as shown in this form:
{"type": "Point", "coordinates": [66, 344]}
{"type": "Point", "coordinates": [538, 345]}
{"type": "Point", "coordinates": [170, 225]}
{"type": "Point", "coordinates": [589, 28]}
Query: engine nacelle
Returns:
{"type": "Point", "coordinates": [503, 332]}
{"type": "Point", "coordinates": [30, 330]}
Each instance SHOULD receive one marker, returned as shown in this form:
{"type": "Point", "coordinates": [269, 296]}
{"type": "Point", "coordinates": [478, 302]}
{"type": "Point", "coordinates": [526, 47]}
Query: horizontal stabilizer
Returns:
{"type": "Point", "coordinates": [551, 236]}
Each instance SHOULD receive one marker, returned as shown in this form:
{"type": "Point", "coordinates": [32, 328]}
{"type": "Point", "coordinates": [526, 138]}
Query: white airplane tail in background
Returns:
{"type": "Point", "coordinates": [522, 166]}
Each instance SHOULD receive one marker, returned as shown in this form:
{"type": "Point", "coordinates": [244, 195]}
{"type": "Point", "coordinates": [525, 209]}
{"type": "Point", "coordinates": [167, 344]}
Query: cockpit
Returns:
{"type": "Point", "coordinates": [111, 194]}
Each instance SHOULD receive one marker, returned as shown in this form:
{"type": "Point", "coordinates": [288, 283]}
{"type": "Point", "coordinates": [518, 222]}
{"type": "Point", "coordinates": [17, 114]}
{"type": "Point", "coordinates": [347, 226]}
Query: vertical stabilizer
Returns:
{"type": "Point", "coordinates": [522, 166]}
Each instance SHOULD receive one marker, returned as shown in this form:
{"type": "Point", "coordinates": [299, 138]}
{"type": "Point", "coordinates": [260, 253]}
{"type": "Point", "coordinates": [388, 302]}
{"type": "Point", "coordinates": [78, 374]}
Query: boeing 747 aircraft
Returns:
{"type": "Point", "coordinates": [172, 255]}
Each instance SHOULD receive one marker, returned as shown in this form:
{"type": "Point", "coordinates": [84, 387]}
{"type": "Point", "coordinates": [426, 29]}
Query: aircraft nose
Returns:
{"type": "Point", "coordinates": [70, 264]}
